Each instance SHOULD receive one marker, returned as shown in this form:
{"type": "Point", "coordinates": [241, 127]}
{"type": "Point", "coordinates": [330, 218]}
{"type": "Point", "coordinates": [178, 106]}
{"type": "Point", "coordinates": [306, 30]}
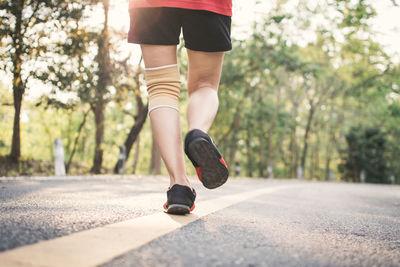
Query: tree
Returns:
{"type": "Point", "coordinates": [87, 74]}
{"type": "Point", "coordinates": [104, 80]}
{"type": "Point", "coordinates": [24, 26]}
{"type": "Point", "coordinates": [365, 156]}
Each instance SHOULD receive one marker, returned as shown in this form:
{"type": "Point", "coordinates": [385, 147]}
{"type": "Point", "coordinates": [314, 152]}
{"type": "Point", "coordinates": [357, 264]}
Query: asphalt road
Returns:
{"type": "Point", "coordinates": [301, 224]}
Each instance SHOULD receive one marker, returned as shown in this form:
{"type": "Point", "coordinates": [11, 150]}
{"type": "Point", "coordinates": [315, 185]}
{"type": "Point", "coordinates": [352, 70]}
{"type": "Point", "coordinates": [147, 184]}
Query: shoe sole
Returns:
{"type": "Point", "coordinates": [178, 209]}
{"type": "Point", "coordinates": [213, 172]}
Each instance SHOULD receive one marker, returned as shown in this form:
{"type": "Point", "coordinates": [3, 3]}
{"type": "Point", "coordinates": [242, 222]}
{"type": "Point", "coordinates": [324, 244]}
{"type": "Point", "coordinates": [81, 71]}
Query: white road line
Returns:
{"type": "Point", "coordinates": [100, 245]}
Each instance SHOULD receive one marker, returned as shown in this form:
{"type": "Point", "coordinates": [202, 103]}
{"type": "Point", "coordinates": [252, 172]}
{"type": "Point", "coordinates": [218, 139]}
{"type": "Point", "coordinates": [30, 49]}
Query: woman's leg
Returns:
{"type": "Point", "coordinates": [203, 80]}
{"type": "Point", "coordinates": [165, 121]}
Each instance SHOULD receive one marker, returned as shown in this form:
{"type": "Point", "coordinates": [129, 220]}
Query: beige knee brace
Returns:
{"type": "Point", "coordinates": [163, 86]}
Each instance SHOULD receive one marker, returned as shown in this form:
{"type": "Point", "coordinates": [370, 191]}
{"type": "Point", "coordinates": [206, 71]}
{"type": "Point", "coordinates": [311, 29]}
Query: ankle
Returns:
{"type": "Point", "coordinates": [203, 128]}
{"type": "Point", "coordinates": [181, 181]}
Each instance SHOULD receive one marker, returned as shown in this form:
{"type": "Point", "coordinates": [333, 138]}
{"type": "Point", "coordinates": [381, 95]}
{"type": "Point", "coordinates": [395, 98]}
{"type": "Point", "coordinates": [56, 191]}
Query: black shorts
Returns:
{"type": "Point", "coordinates": [202, 30]}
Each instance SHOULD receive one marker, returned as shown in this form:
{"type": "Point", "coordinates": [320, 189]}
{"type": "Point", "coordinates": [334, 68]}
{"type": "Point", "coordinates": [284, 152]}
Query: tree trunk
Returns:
{"type": "Point", "coordinates": [328, 166]}
{"type": "Point", "coordinates": [306, 135]}
{"type": "Point", "coordinates": [280, 150]}
{"type": "Point", "coordinates": [232, 149]}
{"type": "Point", "coordinates": [18, 84]}
{"type": "Point", "coordinates": [98, 153]}
{"type": "Point", "coordinates": [16, 137]}
{"type": "Point", "coordinates": [271, 131]}
{"type": "Point", "coordinates": [136, 128]}
{"type": "Point", "coordinates": [293, 153]}
{"type": "Point", "coordinates": [76, 141]}
{"type": "Point", "coordinates": [311, 168]}
{"type": "Point", "coordinates": [136, 156]}
{"type": "Point", "coordinates": [83, 145]}
{"type": "Point", "coordinates": [104, 75]}
{"type": "Point", "coordinates": [155, 163]}
{"type": "Point", "coordinates": [262, 165]}
{"type": "Point", "coordinates": [248, 151]}
{"type": "Point", "coordinates": [331, 143]}
{"type": "Point", "coordinates": [316, 154]}
{"type": "Point", "coordinates": [293, 143]}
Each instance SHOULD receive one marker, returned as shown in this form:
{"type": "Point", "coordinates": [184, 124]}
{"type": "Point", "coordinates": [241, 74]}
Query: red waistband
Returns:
{"type": "Point", "coordinates": [223, 7]}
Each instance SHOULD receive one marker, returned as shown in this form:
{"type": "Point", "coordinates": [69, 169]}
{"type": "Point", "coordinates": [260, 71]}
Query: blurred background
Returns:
{"type": "Point", "coordinates": [310, 90]}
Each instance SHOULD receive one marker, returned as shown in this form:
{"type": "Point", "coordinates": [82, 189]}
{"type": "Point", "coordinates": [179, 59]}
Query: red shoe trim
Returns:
{"type": "Point", "coordinates": [198, 171]}
{"type": "Point", "coordinates": [192, 208]}
{"type": "Point", "coordinates": [165, 206]}
{"type": "Point", "coordinates": [223, 162]}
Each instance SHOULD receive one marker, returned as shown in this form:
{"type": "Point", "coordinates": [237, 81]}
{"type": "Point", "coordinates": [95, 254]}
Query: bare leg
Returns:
{"type": "Point", "coordinates": [165, 122]}
{"type": "Point", "coordinates": [203, 81]}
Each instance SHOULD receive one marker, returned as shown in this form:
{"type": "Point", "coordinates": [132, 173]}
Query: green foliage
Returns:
{"type": "Point", "coordinates": [6, 119]}
{"type": "Point", "coordinates": [365, 155]}
{"type": "Point", "coordinates": [355, 14]}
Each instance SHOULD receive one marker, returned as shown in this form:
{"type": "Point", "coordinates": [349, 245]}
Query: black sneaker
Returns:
{"type": "Point", "coordinates": [180, 200]}
{"type": "Point", "coordinates": [202, 152]}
